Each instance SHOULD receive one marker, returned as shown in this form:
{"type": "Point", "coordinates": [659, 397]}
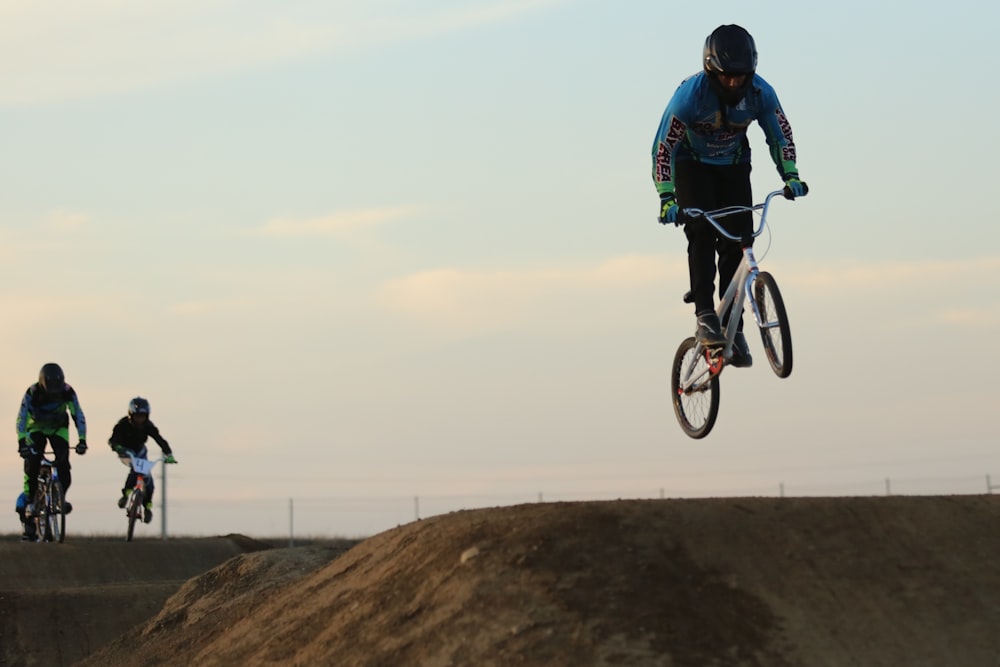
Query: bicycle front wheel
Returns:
{"type": "Point", "coordinates": [694, 388]}
{"type": "Point", "coordinates": [43, 532]}
{"type": "Point", "coordinates": [134, 512]}
{"type": "Point", "coordinates": [774, 330]}
{"type": "Point", "coordinates": [56, 515]}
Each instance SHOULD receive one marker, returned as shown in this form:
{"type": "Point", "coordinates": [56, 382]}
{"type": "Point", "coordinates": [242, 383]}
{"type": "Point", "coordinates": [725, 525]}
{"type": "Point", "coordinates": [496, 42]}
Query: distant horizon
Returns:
{"type": "Point", "coordinates": [363, 517]}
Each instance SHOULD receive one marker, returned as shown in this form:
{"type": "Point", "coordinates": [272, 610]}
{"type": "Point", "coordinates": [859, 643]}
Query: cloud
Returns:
{"type": "Point", "coordinates": [918, 293]}
{"type": "Point", "coordinates": [53, 51]}
{"type": "Point", "coordinates": [470, 301]}
{"type": "Point", "coordinates": [341, 222]}
{"type": "Point", "coordinates": [66, 221]}
{"type": "Point", "coordinates": [474, 17]}
{"type": "Point", "coordinates": [852, 275]}
{"type": "Point", "coordinates": [209, 307]}
{"type": "Point", "coordinates": [973, 317]}
{"type": "Point", "coordinates": [464, 301]}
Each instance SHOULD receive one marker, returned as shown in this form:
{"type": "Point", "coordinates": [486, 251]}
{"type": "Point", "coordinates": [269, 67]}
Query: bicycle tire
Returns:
{"type": "Point", "coordinates": [775, 332]}
{"type": "Point", "coordinates": [57, 517]}
{"type": "Point", "coordinates": [134, 512]}
{"type": "Point", "coordinates": [40, 517]}
{"type": "Point", "coordinates": [696, 410]}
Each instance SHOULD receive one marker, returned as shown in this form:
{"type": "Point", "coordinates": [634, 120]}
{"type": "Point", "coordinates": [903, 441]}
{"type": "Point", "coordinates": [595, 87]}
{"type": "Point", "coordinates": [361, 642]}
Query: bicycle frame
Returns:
{"type": "Point", "coordinates": [694, 376]}
{"type": "Point", "coordinates": [740, 285]}
{"type": "Point", "coordinates": [48, 513]}
{"type": "Point", "coordinates": [143, 469]}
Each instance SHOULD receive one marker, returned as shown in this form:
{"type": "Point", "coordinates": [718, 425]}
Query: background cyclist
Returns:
{"type": "Point", "coordinates": [44, 415]}
{"type": "Point", "coordinates": [131, 433]}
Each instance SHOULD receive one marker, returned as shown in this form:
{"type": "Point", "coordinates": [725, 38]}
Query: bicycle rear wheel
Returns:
{"type": "Point", "coordinates": [56, 515]}
{"type": "Point", "coordinates": [774, 330]}
{"type": "Point", "coordinates": [134, 512]}
{"type": "Point", "coordinates": [694, 389]}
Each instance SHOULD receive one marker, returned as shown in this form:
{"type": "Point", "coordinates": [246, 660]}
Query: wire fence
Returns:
{"type": "Point", "coordinates": [360, 517]}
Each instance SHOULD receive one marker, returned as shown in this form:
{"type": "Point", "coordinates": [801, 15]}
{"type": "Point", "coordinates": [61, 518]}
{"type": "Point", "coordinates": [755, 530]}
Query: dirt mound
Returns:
{"type": "Point", "coordinates": [754, 582]}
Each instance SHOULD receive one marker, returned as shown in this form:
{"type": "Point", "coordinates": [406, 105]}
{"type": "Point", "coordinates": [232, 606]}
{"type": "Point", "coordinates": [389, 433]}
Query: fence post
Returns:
{"type": "Point", "coordinates": [416, 507]}
{"type": "Point", "coordinates": [163, 502]}
{"type": "Point", "coordinates": [291, 522]}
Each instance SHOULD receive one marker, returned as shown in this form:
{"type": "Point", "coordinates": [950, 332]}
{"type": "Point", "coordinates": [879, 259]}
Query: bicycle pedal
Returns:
{"type": "Point", "coordinates": [714, 360]}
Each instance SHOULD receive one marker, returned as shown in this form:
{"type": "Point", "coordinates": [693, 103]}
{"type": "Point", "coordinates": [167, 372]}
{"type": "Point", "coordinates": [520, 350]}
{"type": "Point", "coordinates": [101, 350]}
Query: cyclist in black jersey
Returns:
{"type": "Point", "coordinates": [131, 433]}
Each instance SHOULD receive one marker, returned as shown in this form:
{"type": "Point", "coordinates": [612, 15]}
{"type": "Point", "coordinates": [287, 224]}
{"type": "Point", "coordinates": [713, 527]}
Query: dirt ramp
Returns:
{"type": "Point", "coordinates": [744, 582]}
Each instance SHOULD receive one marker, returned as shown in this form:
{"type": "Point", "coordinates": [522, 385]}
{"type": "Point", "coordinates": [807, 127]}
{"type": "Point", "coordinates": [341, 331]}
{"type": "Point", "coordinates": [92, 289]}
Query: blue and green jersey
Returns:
{"type": "Point", "coordinates": [48, 414]}
{"type": "Point", "coordinates": [697, 126]}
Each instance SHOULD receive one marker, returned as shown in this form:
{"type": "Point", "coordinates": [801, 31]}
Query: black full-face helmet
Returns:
{"type": "Point", "coordinates": [730, 50]}
{"type": "Point", "coordinates": [138, 406]}
{"type": "Point", "coordinates": [52, 379]}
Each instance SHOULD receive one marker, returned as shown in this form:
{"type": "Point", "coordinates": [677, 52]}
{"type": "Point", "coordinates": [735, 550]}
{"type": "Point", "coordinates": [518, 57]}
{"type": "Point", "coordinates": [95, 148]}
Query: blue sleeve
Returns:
{"type": "Point", "coordinates": [22, 415]}
{"type": "Point", "coordinates": [77, 412]}
{"type": "Point", "coordinates": [671, 132]}
{"type": "Point", "coordinates": [778, 132]}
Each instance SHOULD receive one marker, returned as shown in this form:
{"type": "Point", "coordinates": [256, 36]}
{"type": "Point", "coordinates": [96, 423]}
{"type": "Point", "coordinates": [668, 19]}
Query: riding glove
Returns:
{"type": "Point", "coordinates": [170, 459]}
{"type": "Point", "coordinates": [795, 188]}
{"type": "Point", "coordinates": [23, 448]}
{"type": "Point", "coordinates": [668, 209]}
{"type": "Point", "coordinates": [81, 447]}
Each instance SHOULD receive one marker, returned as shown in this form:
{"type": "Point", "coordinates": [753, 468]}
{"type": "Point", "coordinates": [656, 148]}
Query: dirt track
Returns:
{"type": "Point", "coordinates": [762, 582]}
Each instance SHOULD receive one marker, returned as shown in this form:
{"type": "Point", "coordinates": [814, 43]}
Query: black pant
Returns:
{"type": "Point", "coordinates": [60, 448]}
{"type": "Point", "coordinates": [709, 187]}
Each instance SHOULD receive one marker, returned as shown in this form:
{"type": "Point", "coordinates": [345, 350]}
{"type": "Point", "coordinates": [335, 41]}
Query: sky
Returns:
{"type": "Point", "coordinates": [372, 260]}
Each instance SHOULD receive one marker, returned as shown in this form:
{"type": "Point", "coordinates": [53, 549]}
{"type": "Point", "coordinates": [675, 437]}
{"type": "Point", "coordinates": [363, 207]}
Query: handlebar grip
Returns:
{"type": "Point", "coordinates": [684, 217]}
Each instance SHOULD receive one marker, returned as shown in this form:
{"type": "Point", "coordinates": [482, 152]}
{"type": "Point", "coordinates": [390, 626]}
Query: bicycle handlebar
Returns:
{"type": "Point", "coordinates": [689, 214]}
{"type": "Point", "coordinates": [127, 457]}
{"type": "Point", "coordinates": [44, 453]}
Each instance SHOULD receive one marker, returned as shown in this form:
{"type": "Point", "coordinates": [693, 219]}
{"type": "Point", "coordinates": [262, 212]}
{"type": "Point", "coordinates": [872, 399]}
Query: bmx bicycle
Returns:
{"type": "Point", "coordinates": [694, 378]}
{"type": "Point", "coordinates": [135, 507]}
{"type": "Point", "coordinates": [48, 516]}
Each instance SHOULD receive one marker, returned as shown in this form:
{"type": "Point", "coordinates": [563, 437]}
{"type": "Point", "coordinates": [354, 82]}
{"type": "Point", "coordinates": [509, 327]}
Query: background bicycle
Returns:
{"type": "Point", "coordinates": [135, 506]}
{"type": "Point", "coordinates": [47, 515]}
{"type": "Point", "coordinates": [696, 368]}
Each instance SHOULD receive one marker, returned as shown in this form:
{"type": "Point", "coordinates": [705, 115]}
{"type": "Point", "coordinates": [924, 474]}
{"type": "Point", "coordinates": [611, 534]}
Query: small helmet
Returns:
{"type": "Point", "coordinates": [52, 379]}
{"type": "Point", "coordinates": [138, 406]}
{"type": "Point", "coordinates": [730, 50]}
